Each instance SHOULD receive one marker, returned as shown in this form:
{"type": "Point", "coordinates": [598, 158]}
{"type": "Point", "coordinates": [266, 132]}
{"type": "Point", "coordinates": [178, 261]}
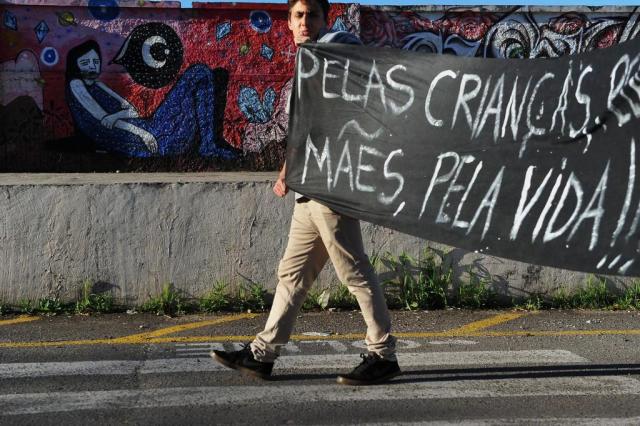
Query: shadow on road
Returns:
{"type": "Point", "coordinates": [521, 372]}
{"type": "Point", "coordinates": [489, 373]}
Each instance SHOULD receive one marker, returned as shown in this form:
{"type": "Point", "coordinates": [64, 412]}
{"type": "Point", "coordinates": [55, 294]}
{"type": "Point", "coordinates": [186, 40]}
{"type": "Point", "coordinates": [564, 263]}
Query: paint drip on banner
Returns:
{"type": "Point", "coordinates": [532, 160]}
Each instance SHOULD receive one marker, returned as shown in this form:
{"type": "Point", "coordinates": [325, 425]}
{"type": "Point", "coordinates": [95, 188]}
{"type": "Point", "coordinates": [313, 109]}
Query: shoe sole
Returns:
{"type": "Point", "coordinates": [244, 370]}
{"type": "Point", "coordinates": [354, 382]}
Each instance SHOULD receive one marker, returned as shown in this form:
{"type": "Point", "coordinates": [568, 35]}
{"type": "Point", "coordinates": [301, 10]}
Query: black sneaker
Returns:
{"type": "Point", "coordinates": [244, 362]}
{"type": "Point", "coordinates": [371, 370]}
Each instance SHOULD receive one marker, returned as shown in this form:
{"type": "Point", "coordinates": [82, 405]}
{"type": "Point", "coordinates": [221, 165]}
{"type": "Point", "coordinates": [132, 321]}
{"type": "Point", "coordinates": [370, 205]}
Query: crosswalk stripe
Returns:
{"type": "Point", "coordinates": [538, 421]}
{"type": "Point", "coordinates": [35, 403]}
{"type": "Point", "coordinates": [290, 362]}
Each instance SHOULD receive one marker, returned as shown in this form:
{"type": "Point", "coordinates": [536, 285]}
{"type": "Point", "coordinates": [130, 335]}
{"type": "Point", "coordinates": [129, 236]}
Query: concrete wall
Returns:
{"type": "Point", "coordinates": [132, 233]}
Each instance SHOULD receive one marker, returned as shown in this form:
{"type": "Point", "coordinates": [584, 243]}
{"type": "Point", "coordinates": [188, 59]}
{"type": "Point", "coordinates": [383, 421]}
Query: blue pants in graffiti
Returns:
{"type": "Point", "coordinates": [185, 116]}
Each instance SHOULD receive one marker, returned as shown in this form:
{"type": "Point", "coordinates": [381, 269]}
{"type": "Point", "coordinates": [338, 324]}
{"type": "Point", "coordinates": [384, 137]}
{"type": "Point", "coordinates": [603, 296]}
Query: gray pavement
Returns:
{"type": "Point", "coordinates": [460, 367]}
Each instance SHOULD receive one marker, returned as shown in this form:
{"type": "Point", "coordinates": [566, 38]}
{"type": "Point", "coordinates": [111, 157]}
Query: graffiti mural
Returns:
{"type": "Point", "coordinates": [108, 85]}
{"type": "Point", "coordinates": [136, 86]}
{"type": "Point", "coordinates": [112, 123]}
{"type": "Point", "coordinates": [503, 33]}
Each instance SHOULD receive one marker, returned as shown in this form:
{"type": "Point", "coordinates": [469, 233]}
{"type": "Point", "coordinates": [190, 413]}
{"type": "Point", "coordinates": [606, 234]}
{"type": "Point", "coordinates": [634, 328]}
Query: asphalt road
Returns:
{"type": "Point", "coordinates": [460, 367]}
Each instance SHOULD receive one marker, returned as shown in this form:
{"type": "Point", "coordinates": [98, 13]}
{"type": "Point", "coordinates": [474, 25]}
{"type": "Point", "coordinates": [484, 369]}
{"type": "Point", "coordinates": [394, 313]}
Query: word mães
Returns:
{"type": "Point", "coordinates": [369, 160]}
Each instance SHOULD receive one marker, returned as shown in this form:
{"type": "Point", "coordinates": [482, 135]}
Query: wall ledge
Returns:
{"type": "Point", "coordinates": [44, 179]}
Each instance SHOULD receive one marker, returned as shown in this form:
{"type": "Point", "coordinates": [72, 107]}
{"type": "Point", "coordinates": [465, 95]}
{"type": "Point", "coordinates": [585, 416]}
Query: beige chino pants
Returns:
{"type": "Point", "coordinates": [317, 234]}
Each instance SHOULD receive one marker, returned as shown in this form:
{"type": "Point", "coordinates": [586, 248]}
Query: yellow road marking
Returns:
{"type": "Point", "coordinates": [132, 339]}
{"type": "Point", "coordinates": [145, 337]}
{"type": "Point", "coordinates": [19, 320]}
{"type": "Point", "coordinates": [474, 329]}
{"type": "Point", "coordinates": [476, 326]}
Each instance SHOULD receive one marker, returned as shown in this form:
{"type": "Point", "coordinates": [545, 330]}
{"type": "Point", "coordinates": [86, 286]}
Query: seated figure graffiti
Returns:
{"type": "Point", "coordinates": [184, 117]}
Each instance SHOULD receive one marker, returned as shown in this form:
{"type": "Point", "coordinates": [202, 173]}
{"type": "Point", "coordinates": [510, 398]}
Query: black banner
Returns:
{"type": "Point", "coordinates": [532, 160]}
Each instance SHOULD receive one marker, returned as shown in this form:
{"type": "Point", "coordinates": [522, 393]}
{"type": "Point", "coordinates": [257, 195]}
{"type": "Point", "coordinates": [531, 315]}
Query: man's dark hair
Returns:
{"type": "Point", "coordinates": [324, 4]}
{"type": "Point", "coordinates": [72, 70]}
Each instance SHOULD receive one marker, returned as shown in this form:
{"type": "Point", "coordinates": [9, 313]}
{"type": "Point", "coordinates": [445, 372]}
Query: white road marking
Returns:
{"type": "Point", "coordinates": [541, 421]}
{"type": "Point", "coordinates": [200, 350]}
{"type": "Point", "coordinates": [50, 402]}
{"type": "Point", "coordinates": [333, 344]}
{"type": "Point", "coordinates": [289, 362]}
{"type": "Point", "coordinates": [453, 342]}
{"type": "Point", "coordinates": [291, 348]}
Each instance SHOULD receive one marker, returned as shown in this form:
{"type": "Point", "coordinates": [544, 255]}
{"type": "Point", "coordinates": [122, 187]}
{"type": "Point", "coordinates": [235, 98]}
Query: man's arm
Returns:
{"type": "Point", "coordinates": [281, 188]}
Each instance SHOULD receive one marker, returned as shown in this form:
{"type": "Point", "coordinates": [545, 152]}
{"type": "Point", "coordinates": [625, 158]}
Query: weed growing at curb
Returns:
{"type": "Point", "coordinates": [594, 295]}
{"type": "Point", "coordinates": [317, 299]}
{"type": "Point", "coordinates": [251, 296]}
{"type": "Point", "coordinates": [630, 299]}
{"type": "Point", "coordinates": [217, 299]}
{"type": "Point", "coordinates": [341, 298]}
{"type": "Point", "coordinates": [560, 299]}
{"type": "Point", "coordinates": [474, 294]}
{"type": "Point", "coordinates": [534, 302]}
{"type": "Point", "coordinates": [420, 283]}
{"type": "Point", "coordinates": [170, 302]}
{"type": "Point", "coordinates": [93, 303]}
{"type": "Point", "coordinates": [425, 282]}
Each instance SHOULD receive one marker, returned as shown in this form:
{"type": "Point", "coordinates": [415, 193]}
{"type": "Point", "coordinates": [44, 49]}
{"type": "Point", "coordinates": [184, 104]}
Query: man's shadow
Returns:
{"type": "Point", "coordinates": [489, 373]}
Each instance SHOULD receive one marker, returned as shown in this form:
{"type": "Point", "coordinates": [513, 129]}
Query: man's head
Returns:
{"type": "Point", "coordinates": [307, 18]}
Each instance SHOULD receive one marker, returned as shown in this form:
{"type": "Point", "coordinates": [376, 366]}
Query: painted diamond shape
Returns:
{"type": "Point", "coordinates": [10, 21]}
{"type": "Point", "coordinates": [41, 30]}
{"type": "Point", "coordinates": [339, 25]}
{"type": "Point", "coordinates": [223, 30]}
{"type": "Point", "coordinates": [266, 52]}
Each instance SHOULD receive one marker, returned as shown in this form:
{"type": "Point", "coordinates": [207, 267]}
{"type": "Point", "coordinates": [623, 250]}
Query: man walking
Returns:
{"type": "Point", "coordinates": [317, 234]}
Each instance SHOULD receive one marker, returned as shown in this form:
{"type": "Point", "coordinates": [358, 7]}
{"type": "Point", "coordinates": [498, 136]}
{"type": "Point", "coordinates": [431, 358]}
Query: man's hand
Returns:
{"type": "Point", "coordinates": [281, 188]}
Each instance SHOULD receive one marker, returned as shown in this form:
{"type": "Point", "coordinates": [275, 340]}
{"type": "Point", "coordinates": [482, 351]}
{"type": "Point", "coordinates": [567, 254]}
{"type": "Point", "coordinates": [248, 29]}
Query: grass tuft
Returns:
{"type": "Point", "coordinates": [317, 299]}
{"type": "Point", "coordinates": [251, 296]}
{"type": "Point", "coordinates": [342, 298]}
{"type": "Point", "coordinates": [421, 283]}
{"type": "Point", "coordinates": [594, 295]}
{"type": "Point", "coordinates": [217, 299]}
{"type": "Point", "coordinates": [630, 299]}
{"type": "Point", "coordinates": [170, 302]}
{"type": "Point", "coordinates": [93, 303]}
{"type": "Point", "coordinates": [474, 294]}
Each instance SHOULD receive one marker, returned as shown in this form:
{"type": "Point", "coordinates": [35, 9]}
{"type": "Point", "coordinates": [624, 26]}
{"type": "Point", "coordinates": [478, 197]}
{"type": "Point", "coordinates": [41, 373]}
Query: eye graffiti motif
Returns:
{"type": "Point", "coordinates": [260, 21]}
{"type": "Point", "coordinates": [152, 55]}
{"type": "Point", "coordinates": [104, 10]}
{"type": "Point", "coordinates": [49, 56]}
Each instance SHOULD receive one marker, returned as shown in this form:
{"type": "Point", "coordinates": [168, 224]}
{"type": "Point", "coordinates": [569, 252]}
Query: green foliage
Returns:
{"type": "Point", "coordinates": [49, 306]}
{"type": "Point", "coordinates": [534, 302]}
{"type": "Point", "coordinates": [560, 299]}
{"type": "Point", "coordinates": [170, 302]}
{"type": "Point", "coordinates": [475, 294]}
{"type": "Point", "coordinates": [594, 295]}
{"type": "Point", "coordinates": [251, 296]}
{"type": "Point", "coordinates": [317, 299]}
{"type": "Point", "coordinates": [25, 306]}
{"type": "Point", "coordinates": [4, 308]}
{"type": "Point", "coordinates": [93, 303]}
{"type": "Point", "coordinates": [342, 298]}
{"type": "Point", "coordinates": [630, 299]}
{"type": "Point", "coordinates": [217, 299]}
{"type": "Point", "coordinates": [420, 283]}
